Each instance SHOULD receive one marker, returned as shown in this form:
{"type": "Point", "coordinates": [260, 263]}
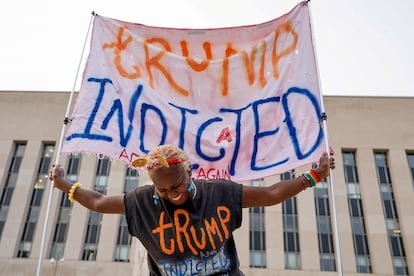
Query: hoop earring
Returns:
{"type": "Point", "coordinates": [191, 187]}
{"type": "Point", "coordinates": [156, 199]}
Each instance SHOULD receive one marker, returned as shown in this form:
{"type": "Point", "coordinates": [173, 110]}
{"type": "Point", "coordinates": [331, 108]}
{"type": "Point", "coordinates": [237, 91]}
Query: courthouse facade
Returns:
{"type": "Point", "coordinates": [373, 139]}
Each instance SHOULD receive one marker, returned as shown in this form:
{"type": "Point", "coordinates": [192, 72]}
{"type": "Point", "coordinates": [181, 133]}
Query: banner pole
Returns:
{"type": "Point", "coordinates": [331, 180]}
{"type": "Point", "coordinates": [57, 160]}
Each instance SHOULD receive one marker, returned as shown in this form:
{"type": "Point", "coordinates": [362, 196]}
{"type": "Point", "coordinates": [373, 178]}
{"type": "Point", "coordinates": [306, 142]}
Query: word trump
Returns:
{"type": "Point", "coordinates": [264, 56]}
{"type": "Point", "coordinates": [213, 230]}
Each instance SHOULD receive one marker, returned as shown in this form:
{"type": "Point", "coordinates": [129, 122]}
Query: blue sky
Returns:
{"type": "Point", "coordinates": [363, 47]}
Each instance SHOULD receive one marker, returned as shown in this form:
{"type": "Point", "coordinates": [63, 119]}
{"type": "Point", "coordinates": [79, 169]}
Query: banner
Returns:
{"type": "Point", "coordinates": [243, 102]}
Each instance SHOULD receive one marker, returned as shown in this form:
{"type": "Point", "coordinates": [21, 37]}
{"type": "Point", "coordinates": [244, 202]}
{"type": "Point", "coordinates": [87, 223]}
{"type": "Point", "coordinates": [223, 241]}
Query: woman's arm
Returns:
{"type": "Point", "coordinates": [283, 190]}
{"type": "Point", "coordinates": [92, 200]}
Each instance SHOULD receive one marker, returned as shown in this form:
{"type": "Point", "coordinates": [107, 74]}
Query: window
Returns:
{"type": "Point", "coordinates": [123, 243]}
{"type": "Point", "coordinates": [290, 229]}
{"type": "Point", "coordinates": [29, 227]}
{"type": "Point", "coordinates": [90, 247]}
{"type": "Point", "coordinates": [350, 169]}
{"type": "Point", "coordinates": [391, 214]}
{"type": "Point", "coordinates": [355, 207]}
{"type": "Point", "coordinates": [327, 262]}
{"type": "Point", "coordinates": [324, 227]}
{"type": "Point", "coordinates": [65, 209]}
{"type": "Point", "coordinates": [10, 183]}
{"type": "Point", "coordinates": [323, 206]}
{"type": "Point", "coordinates": [410, 157]}
{"type": "Point", "coordinates": [356, 212]}
{"type": "Point", "coordinates": [257, 234]}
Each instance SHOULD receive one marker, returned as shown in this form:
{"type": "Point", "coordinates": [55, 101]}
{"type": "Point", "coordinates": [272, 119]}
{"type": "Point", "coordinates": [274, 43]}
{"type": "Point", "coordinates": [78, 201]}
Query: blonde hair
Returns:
{"type": "Point", "coordinates": [163, 155]}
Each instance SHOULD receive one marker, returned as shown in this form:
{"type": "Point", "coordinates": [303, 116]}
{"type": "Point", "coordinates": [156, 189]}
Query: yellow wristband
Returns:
{"type": "Point", "coordinates": [72, 191]}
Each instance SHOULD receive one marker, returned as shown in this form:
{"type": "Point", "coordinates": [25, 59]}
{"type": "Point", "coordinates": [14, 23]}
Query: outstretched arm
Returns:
{"type": "Point", "coordinates": [92, 200]}
{"type": "Point", "coordinates": [283, 190]}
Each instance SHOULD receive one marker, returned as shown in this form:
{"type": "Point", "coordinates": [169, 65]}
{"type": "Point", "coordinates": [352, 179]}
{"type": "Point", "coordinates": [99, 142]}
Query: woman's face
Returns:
{"type": "Point", "coordinates": [172, 183]}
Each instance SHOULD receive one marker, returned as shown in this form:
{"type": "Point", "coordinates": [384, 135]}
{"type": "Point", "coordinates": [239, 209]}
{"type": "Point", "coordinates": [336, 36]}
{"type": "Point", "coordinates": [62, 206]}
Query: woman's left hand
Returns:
{"type": "Point", "coordinates": [325, 164]}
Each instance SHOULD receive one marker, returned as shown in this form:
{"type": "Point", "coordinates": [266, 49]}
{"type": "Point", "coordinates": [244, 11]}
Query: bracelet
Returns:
{"type": "Point", "coordinates": [310, 179]}
{"type": "Point", "coordinates": [72, 191]}
{"type": "Point", "coordinates": [304, 184]}
{"type": "Point", "coordinates": [313, 177]}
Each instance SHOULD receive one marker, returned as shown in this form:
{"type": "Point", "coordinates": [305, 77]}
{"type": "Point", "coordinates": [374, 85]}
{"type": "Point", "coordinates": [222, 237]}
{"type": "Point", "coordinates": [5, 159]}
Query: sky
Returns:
{"type": "Point", "coordinates": [363, 48]}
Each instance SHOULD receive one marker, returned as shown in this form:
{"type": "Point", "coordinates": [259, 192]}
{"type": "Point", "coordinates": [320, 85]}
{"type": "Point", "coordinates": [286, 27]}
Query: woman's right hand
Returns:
{"type": "Point", "coordinates": [92, 200]}
{"type": "Point", "coordinates": [56, 172]}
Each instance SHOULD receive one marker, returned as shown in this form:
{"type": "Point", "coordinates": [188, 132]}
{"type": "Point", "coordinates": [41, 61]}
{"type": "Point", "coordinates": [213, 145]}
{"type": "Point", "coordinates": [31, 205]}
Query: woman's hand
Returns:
{"type": "Point", "coordinates": [57, 175]}
{"type": "Point", "coordinates": [325, 164]}
{"type": "Point", "coordinates": [56, 172]}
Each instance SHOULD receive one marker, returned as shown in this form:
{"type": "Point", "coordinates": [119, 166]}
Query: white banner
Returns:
{"type": "Point", "coordinates": [243, 102]}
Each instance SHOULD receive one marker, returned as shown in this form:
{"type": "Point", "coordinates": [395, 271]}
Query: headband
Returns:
{"type": "Point", "coordinates": [143, 161]}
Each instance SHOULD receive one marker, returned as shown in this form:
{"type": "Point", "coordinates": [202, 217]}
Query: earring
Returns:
{"type": "Point", "coordinates": [156, 199]}
{"type": "Point", "coordinates": [191, 187]}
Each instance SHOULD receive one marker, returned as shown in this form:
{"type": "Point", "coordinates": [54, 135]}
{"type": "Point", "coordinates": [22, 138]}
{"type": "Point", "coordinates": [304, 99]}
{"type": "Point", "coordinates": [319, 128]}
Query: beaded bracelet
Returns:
{"type": "Point", "coordinates": [72, 191]}
{"type": "Point", "coordinates": [304, 184]}
{"type": "Point", "coordinates": [309, 179]}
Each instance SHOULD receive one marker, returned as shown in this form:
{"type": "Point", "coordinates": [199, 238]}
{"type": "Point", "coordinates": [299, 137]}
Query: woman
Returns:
{"type": "Point", "coordinates": [186, 224]}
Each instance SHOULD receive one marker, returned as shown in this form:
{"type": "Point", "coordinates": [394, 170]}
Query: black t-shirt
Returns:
{"type": "Point", "coordinates": [191, 239]}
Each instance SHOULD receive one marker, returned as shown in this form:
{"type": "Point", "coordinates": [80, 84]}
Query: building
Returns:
{"type": "Point", "coordinates": [374, 184]}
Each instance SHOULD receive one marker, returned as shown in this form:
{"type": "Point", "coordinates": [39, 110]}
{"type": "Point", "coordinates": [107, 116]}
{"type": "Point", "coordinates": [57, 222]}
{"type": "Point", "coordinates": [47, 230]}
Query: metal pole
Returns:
{"type": "Point", "coordinates": [62, 136]}
{"type": "Point", "coordinates": [325, 130]}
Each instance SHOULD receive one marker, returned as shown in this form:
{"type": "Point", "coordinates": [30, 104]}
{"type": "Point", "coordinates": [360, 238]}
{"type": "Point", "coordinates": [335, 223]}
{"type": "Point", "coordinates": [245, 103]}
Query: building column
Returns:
{"type": "Point", "coordinates": [79, 215]}
{"type": "Point", "coordinates": [373, 213]}
{"type": "Point", "coordinates": [342, 208]}
{"type": "Point", "coordinates": [274, 233]}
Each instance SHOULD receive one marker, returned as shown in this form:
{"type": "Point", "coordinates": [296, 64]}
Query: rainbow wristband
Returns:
{"type": "Point", "coordinates": [313, 178]}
